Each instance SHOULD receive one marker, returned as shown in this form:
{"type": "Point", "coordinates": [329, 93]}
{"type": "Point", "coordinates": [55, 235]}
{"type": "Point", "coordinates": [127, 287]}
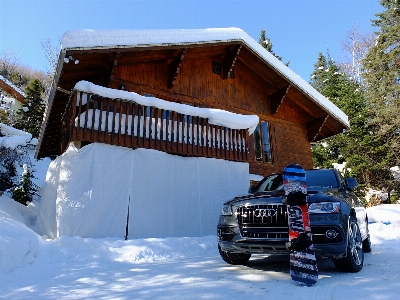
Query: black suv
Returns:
{"type": "Point", "coordinates": [258, 223]}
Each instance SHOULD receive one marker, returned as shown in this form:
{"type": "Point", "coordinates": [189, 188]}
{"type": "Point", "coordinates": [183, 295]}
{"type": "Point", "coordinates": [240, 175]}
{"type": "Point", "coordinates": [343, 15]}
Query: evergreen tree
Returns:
{"type": "Point", "coordinates": [353, 145]}
{"type": "Point", "coordinates": [30, 116]}
{"type": "Point", "coordinates": [7, 168]}
{"type": "Point", "coordinates": [266, 43]}
{"type": "Point", "coordinates": [26, 189]}
{"type": "Point", "coordinates": [382, 79]}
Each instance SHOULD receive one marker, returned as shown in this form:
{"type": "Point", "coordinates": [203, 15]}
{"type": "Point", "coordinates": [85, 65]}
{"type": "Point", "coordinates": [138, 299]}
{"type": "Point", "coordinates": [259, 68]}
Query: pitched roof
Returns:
{"type": "Point", "coordinates": [11, 89]}
{"type": "Point", "coordinates": [94, 53]}
{"type": "Point", "coordinates": [91, 39]}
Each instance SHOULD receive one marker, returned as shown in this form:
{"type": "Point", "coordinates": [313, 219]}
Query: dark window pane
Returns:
{"type": "Point", "coordinates": [321, 179]}
{"type": "Point", "coordinates": [217, 67]}
{"type": "Point", "coordinates": [266, 144]}
{"type": "Point", "coordinates": [257, 144]}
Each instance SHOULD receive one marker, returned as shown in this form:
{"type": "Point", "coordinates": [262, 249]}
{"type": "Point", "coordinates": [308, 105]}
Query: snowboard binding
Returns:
{"type": "Point", "coordinates": [300, 243]}
{"type": "Point", "coordinates": [295, 198]}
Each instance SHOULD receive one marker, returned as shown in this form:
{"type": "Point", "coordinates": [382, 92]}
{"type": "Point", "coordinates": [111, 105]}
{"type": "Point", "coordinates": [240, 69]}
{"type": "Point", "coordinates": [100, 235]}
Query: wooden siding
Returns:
{"type": "Point", "coordinates": [197, 84]}
{"type": "Point", "coordinates": [246, 93]}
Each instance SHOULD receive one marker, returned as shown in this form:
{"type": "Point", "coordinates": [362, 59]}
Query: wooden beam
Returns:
{"type": "Point", "coordinates": [276, 98]}
{"type": "Point", "coordinates": [314, 128]}
{"type": "Point", "coordinates": [173, 68]}
{"type": "Point", "coordinates": [113, 67]}
{"type": "Point", "coordinates": [64, 91]}
{"type": "Point", "coordinates": [229, 62]}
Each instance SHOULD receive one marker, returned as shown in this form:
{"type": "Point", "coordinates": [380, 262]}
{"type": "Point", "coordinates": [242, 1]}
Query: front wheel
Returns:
{"type": "Point", "coordinates": [234, 258]}
{"type": "Point", "coordinates": [354, 259]}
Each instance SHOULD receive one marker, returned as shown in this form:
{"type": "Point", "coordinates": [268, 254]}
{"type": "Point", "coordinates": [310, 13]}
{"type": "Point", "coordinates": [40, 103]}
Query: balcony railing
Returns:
{"type": "Point", "coordinates": [119, 122]}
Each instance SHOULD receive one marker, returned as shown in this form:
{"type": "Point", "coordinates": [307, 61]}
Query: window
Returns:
{"type": "Point", "coordinates": [262, 144]}
{"type": "Point", "coordinates": [217, 67]}
{"type": "Point", "coordinates": [271, 183]}
{"type": "Point", "coordinates": [326, 179]}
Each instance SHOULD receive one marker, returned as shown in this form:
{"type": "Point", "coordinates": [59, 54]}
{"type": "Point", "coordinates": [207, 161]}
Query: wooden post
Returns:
{"type": "Point", "coordinates": [113, 122]}
{"type": "Point", "coordinates": [140, 110]}
{"type": "Point", "coordinates": [175, 133]}
{"type": "Point", "coordinates": [86, 117]}
{"type": "Point", "coordinates": [107, 135]}
{"type": "Point", "coordinates": [99, 132]}
{"type": "Point", "coordinates": [78, 125]}
{"type": "Point", "coordinates": [120, 122]}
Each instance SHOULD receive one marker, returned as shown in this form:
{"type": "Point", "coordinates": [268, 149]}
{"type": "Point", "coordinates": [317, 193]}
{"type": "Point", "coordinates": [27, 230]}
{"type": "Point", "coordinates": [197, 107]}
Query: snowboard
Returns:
{"type": "Point", "coordinates": [303, 264]}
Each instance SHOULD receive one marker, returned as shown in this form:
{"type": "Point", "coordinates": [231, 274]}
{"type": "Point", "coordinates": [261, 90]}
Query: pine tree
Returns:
{"type": "Point", "coordinates": [354, 145]}
{"type": "Point", "coordinates": [266, 43]}
{"type": "Point", "coordinates": [7, 168]}
{"type": "Point", "coordinates": [319, 77]}
{"type": "Point", "coordinates": [26, 189]}
{"type": "Point", "coordinates": [382, 79]}
{"type": "Point", "coordinates": [30, 116]}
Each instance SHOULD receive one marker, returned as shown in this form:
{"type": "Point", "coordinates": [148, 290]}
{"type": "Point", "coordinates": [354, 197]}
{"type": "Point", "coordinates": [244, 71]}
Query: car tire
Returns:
{"type": "Point", "coordinates": [354, 258]}
{"type": "Point", "coordinates": [234, 258]}
{"type": "Point", "coordinates": [366, 245]}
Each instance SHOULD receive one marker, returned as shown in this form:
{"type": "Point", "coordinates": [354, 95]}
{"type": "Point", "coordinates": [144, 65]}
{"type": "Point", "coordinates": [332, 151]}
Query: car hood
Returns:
{"type": "Point", "coordinates": [315, 195]}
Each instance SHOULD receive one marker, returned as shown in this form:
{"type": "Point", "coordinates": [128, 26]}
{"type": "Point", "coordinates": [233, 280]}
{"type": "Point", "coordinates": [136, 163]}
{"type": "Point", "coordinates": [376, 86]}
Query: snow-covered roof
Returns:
{"type": "Point", "coordinates": [12, 137]}
{"type": "Point", "coordinates": [214, 116]}
{"type": "Point", "coordinates": [10, 84]}
{"type": "Point", "coordinates": [90, 39]}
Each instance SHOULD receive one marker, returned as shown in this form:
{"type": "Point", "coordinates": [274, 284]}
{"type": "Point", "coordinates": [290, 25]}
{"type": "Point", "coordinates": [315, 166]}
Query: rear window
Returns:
{"type": "Point", "coordinates": [314, 179]}
{"type": "Point", "coordinates": [321, 178]}
{"type": "Point", "coordinates": [271, 183]}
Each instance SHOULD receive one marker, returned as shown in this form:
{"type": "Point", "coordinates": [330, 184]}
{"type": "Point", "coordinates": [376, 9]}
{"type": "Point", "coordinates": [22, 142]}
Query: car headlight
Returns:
{"type": "Point", "coordinates": [226, 210]}
{"type": "Point", "coordinates": [323, 207]}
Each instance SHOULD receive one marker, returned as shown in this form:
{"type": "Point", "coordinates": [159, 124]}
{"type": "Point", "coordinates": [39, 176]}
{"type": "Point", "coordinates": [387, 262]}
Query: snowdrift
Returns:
{"type": "Point", "coordinates": [90, 191]}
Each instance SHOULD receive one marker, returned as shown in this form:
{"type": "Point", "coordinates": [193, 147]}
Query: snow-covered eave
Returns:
{"type": "Point", "coordinates": [11, 85]}
{"type": "Point", "coordinates": [50, 100]}
{"type": "Point", "coordinates": [303, 86]}
{"type": "Point", "coordinates": [125, 39]}
{"type": "Point", "coordinates": [215, 116]}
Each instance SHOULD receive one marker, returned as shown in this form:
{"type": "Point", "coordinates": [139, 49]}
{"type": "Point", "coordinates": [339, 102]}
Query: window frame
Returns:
{"type": "Point", "coordinates": [260, 130]}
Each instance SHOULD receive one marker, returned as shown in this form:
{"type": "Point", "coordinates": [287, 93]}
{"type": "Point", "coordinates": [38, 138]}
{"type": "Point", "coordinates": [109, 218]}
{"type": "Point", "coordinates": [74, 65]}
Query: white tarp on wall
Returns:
{"type": "Point", "coordinates": [88, 191]}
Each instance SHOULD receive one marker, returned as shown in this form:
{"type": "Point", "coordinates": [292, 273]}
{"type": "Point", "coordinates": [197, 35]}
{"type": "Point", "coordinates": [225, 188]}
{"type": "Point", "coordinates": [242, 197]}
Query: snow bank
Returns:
{"type": "Point", "coordinates": [214, 116]}
{"type": "Point", "coordinates": [11, 209]}
{"type": "Point", "coordinates": [18, 243]}
{"type": "Point", "coordinates": [88, 192]}
{"type": "Point", "coordinates": [384, 213]}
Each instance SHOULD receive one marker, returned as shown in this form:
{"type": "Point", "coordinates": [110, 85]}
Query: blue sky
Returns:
{"type": "Point", "coordinates": [298, 29]}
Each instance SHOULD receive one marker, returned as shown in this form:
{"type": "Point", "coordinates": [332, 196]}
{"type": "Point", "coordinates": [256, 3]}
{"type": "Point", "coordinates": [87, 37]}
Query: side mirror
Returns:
{"type": "Point", "coordinates": [351, 183]}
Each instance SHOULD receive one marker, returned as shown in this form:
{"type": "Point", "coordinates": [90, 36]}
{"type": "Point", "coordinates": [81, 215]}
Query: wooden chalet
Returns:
{"type": "Point", "coordinates": [212, 68]}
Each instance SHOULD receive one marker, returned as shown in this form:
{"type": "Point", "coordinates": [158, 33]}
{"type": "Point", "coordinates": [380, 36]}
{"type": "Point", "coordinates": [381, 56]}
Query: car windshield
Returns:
{"type": "Point", "coordinates": [314, 179]}
{"type": "Point", "coordinates": [270, 183]}
{"type": "Point", "coordinates": [321, 179]}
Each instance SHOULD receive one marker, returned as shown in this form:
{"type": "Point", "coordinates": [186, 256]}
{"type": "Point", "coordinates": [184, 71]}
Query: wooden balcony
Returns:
{"type": "Point", "coordinates": [92, 118]}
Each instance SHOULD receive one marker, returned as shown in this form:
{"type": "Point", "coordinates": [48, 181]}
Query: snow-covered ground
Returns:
{"type": "Point", "coordinates": [35, 267]}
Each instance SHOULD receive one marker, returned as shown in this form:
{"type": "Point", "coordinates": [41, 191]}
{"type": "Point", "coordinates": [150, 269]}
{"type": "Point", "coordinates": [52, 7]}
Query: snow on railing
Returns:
{"type": "Point", "coordinates": [125, 123]}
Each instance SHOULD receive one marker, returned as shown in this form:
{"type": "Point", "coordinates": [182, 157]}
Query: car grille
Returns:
{"type": "Point", "coordinates": [263, 221]}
